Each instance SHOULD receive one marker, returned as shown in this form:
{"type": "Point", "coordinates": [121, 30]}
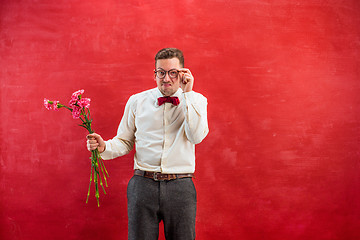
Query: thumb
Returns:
{"type": "Point", "coordinates": [95, 136]}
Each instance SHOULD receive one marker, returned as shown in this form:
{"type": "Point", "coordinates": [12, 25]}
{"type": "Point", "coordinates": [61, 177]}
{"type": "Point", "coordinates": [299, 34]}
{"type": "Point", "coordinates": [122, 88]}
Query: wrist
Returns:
{"type": "Point", "coordinates": [102, 149]}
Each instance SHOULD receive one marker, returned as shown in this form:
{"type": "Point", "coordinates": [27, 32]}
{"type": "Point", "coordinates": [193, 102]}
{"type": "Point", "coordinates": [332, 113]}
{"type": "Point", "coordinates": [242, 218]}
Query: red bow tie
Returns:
{"type": "Point", "coordinates": [174, 100]}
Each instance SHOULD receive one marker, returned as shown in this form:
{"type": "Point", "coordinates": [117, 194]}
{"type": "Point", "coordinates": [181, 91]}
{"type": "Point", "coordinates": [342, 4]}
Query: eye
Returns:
{"type": "Point", "coordinates": [160, 73]}
{"type": "Point", "coordinates": [173, 73]}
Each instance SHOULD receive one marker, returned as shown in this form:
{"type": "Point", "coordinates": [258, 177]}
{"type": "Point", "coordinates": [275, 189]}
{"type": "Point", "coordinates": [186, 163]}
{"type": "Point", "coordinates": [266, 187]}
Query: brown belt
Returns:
{"type": "Point", "coordinates": [161, 176]}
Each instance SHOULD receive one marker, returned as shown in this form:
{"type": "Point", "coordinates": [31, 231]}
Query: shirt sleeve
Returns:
{"type": "Point", "coordinates": [124, 140]}
{"type": "Point", "coordinates": [196, 123]}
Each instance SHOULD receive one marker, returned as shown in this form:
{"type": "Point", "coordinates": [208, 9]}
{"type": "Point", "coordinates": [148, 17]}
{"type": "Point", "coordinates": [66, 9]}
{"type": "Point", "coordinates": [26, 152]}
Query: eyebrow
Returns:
{"type": "Point", "coordinates": [159, 68]}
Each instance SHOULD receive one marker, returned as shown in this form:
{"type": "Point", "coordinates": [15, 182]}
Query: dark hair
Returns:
{"type": "Point", "coordinates": [168, 53]}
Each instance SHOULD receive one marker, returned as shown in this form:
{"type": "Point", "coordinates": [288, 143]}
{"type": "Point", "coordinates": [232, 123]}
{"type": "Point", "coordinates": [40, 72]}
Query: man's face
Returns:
{"type": "Point", "coordinates": [167, 85]}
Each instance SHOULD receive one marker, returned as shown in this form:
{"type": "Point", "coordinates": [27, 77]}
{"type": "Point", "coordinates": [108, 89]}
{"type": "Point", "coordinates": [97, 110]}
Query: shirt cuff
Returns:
{"type": "Point", "coordinates": [106, 155]}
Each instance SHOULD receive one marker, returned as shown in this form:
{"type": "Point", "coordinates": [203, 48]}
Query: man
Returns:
{"type": "Point", "coordinates": [164, 123]}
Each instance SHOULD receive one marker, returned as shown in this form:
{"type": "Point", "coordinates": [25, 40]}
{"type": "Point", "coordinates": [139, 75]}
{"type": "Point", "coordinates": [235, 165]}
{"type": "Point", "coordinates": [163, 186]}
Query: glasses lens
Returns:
{"type": "Point", "coordinates": [173, 73]}
{"type": "Point", "coordinates": [160, 74]}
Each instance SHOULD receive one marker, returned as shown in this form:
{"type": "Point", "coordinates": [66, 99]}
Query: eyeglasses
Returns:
{"type": "Point", "coordinates": [173, 73]}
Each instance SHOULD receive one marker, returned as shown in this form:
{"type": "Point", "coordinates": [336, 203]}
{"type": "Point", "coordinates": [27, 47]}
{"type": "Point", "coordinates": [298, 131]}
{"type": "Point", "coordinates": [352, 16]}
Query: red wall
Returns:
{"type": "Point", "coordinates": [282, 80]}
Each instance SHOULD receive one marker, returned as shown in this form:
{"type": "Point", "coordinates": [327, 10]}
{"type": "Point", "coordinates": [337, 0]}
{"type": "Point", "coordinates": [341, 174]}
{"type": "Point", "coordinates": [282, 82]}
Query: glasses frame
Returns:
{"type": "Point", "coordinates": [167, 72]}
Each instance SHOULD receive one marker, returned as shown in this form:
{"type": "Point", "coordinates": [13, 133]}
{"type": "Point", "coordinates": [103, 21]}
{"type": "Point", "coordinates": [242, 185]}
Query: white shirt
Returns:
{"type": "Point", "coordinates": [164, 136]}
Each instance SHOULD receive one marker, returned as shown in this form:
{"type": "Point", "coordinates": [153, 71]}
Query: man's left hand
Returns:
{"type": "Point", "coordinates": [186, 80]}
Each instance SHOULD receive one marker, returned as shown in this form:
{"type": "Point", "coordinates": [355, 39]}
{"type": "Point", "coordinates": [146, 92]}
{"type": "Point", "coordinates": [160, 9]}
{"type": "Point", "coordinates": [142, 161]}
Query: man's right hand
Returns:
{"type": "Point", "coordinates": [95, 141]}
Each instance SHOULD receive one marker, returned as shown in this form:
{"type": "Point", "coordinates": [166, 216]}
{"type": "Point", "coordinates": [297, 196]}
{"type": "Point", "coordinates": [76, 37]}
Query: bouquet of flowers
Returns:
{"type": "Point", "coordinates": [79, 107]}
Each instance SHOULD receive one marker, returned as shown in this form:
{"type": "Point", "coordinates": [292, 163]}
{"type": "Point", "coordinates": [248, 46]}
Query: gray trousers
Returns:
{"type": "Point", "coordinates": [149, 202]}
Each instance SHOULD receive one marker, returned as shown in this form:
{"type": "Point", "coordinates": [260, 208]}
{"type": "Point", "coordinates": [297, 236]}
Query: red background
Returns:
{"type": "Point", "coordinates": [281, 160]}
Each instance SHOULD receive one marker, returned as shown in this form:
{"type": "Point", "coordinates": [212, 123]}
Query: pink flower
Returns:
{"type": "Point", "coordinates": [84, 102]}
{"type": "Point", "coordinates": [72, 103]}
{"type": "Point", "coordinates": [55, 106]}
{"type": "Point", "coordinates": [76, 96]}
{"type": "Point", "coordinates": [47, 104]}
{"type": "Point", "coordinates": [76, 112]}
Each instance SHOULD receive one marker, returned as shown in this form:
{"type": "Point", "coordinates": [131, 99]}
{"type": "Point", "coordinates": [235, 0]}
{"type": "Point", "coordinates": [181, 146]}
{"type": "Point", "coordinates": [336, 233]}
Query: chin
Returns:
{"type": "Point", "coordinates": [167, 92]}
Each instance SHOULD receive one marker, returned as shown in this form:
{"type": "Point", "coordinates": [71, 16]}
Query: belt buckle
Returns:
{"type": "Point", "coordinates": [155, 177]}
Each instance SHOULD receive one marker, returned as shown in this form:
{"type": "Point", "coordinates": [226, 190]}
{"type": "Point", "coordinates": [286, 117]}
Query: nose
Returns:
{"type": "Point", "coordinates": [167, 77]}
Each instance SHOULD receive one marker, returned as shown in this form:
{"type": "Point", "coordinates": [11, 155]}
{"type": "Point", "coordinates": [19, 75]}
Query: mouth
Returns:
{"type": "Point", "coordinates": [166, 84]}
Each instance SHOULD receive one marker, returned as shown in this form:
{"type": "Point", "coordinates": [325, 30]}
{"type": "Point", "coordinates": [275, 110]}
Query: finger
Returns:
{"type": "Point", "coordinates": [183, 79]}
{"type": "Point", "coordinates": [184, 70]}
{"type": "Point", "coordinates": [90, 136]}
{"type": "Point", "coordinates": [92, 142]}
{"type": "Point", "coordinates": [187, 74]}
{"type": "Point", "coordinates": [95, 136]}
{"type": "Point", "coordinates": [182, 74]}
{"type": "Point", "coordinates": [93, 146]}
{"type": "Point", "coordinates": [88, 146]}
{"type": "Point", "coordinates": [189, 77]}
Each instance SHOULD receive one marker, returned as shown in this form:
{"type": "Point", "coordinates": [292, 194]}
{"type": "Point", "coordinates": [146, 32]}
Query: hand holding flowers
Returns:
{"type": "Point", "coordinates": [79, 108]}
{"type": "Point", "coordinates": [95, 141]}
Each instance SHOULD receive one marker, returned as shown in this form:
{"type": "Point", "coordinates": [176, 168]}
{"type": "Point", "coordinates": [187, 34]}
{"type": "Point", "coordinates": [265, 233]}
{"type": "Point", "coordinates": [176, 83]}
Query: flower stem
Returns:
{"type": "Point", "coordinates": [97, 164]}
{"type": "Point", "coordinates": [91, 171]}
